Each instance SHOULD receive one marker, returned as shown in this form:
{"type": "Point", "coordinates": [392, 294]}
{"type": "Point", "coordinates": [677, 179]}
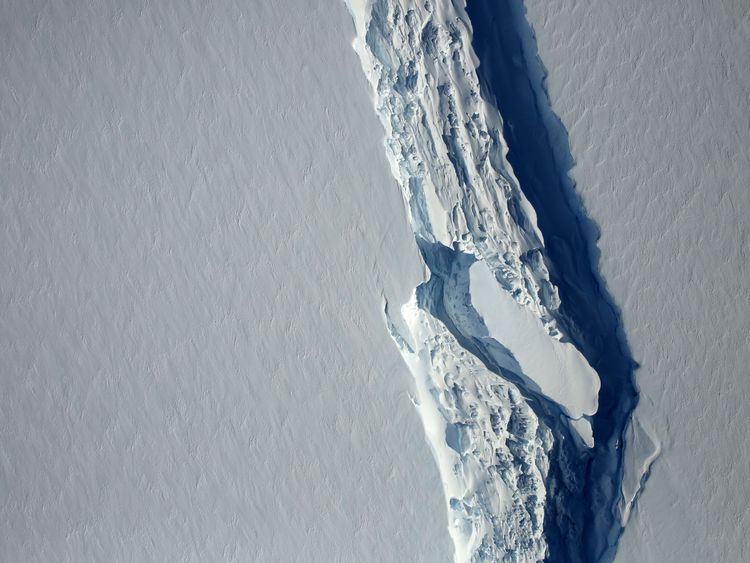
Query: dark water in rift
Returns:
{"type": "Point", "coordinates": [511, 78]}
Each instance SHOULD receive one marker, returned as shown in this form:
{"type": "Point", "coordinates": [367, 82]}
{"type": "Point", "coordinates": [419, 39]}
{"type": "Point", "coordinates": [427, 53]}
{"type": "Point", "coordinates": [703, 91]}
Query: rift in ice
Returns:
{"type": "Point", "coordinates": [523, 378]}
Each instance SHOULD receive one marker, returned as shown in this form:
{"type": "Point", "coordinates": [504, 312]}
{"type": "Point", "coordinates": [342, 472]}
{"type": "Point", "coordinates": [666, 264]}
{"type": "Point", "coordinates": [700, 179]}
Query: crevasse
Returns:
{"type": "Point", "coordinates": [506, 398]}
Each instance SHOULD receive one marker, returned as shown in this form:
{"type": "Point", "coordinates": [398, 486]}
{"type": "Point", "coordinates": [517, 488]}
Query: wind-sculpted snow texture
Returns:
{"type": "Point", "coordinates": [193, 361]}
{"type": "Point", "coordinates": [506, 397]}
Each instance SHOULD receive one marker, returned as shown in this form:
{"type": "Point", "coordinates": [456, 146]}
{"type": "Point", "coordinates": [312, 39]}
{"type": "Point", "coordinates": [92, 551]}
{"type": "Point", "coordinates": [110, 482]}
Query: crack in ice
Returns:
{"type": "Point", "coordinates": [505, 393]}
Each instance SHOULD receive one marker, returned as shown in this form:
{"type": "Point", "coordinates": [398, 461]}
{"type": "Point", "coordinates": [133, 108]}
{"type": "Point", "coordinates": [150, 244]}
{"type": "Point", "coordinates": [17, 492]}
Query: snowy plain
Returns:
{"type": "Point", "coordinates": [199, 227]}
{"type": "Point", "coordinates": [656, 99]}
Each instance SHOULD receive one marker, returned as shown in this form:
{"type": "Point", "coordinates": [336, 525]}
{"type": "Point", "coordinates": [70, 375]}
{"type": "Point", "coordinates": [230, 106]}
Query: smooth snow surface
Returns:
{"type": "Point", "coordinates": [198, 228]}
{"type": "Point", "coordinates": [559, 370]}
{"type": "Point", "coordinates": [656, 98]}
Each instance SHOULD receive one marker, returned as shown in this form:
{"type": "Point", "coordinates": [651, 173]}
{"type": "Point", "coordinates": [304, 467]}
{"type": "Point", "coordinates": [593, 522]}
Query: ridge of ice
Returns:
{"type": "Point", "coordinates": [490, 448]}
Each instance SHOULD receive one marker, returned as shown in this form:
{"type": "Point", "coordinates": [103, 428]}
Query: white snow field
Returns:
{"type": "Point", "coordinates": [656, 98]}
{"type": "Point", "coordinates": [198, 232]}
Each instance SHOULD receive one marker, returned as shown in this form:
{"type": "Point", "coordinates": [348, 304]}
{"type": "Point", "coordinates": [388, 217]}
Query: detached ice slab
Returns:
{"type": "Point", "coordinates": [557, 368]}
